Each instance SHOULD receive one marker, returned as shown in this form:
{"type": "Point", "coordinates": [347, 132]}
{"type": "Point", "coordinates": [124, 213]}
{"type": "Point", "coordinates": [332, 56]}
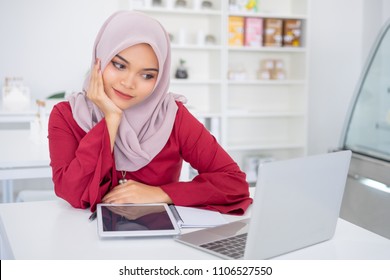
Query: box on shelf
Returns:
{"type": "Point", "coordinates": [271, 69]}
{"type": "Point", "coordinates": [273, 29]}
{"type": "Point", "coordinates": [253, 34]}
{"type": "Point", "coordinates": [292, 31]}
{"type": "Point", "coordinates": [236, 31]}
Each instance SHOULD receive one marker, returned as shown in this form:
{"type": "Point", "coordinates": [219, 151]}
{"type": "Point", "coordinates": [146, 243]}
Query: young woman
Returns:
{"type": "Point", "coordinates": [124, 137]}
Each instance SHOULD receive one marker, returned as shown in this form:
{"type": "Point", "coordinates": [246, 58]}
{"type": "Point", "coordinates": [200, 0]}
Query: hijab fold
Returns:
{"type": "Point", "coordinates": [146, 127]}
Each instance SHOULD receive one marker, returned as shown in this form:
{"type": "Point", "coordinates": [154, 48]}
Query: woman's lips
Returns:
{"type": "Point", "coordinates": [122, 95]}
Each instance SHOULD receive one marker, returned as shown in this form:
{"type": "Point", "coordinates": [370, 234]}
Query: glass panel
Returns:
{"type": "Point", "coordinates": [368, 130]}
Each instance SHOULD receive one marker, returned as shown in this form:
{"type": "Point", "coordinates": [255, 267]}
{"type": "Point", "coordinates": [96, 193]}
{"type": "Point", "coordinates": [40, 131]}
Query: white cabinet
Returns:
{"type": "Point", "coordinates": [251, 117]}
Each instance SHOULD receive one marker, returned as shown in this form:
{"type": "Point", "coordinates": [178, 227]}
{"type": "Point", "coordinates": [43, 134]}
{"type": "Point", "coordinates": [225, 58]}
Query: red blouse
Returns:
{"type": "Point", "coordinates": [84, 167]}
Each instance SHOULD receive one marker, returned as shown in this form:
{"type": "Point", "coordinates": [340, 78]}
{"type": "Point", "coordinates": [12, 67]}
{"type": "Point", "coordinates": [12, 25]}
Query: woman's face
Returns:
{"type": "Point", "coordinates": [131, 76]}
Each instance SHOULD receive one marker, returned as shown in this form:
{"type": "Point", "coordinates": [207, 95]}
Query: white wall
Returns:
{"type": "Point", "coordinates": [49, 42]}
{"type": "Point", "coordinates": [342, 33]}
{"type": "Point", "coordinates": [335, 62]}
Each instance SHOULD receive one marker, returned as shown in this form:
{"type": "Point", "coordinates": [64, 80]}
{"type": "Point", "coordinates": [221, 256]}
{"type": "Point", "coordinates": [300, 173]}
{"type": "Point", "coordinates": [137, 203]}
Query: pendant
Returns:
{"type": "Point", "coordinates": [122, 181]}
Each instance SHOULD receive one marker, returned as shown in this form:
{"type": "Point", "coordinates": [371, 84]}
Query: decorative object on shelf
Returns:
{"type": "Point", "coordinates": [243, 5]}
{"type": "Point", "coordinates": [273, 32]}
{"type": "Point", "coordinates": [57, 95]}
{"type": "Point", "coordinates": [271, 69]}
{"type": "Point", "coordinates": [181, 71]}
{"type": "Point", "coordinates": [264, 74]}
{"type": "Point", "coordinates": [237, 73]}
{"type": "Point", "coordinates": [292, 31]}
{"type": "Point", "coordinates": [181, 4]}
{"type": "Point", "coordinates": [279, 72]}
{"type": "Point", "coordinates": [157, 3]}
{"type": "Point", "coordinates": [236, 31]}
{"type": "Point", "coordinates": [251, 6]}
{"type": "Point", "coordinates": [15, 95]}
{"type": "Point", "coordinates": [253, 33]}
{"type": "Point", "coordinates": [207, 5]}
{"type": "Point", "coordinates": [38, 127]}
{"type": "Point", "coordinates": [53, 99]}
{"type": "Point", "coordinates": [171, 37]}
{"type": "Point", "coordinates": [210, 39]}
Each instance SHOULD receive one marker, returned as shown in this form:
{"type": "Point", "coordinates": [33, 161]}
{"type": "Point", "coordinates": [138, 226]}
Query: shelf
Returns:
{"type": "Point", "coordinates": [268, 49]}
{"type": "Point", "coordinates": [181, 11]}
{"type": "Point", "coordinates": [268, 15]}
{"type": "Point", "coordinates": [266, 82]}
{"type": "Point", "coordinates": [194, 82]}
{"type": "Point", "coordinates": [232, 114]}
{"type": "Point", "coordinates": [251, 116]}
{"type": "Point", "coordinates": [196, 47]}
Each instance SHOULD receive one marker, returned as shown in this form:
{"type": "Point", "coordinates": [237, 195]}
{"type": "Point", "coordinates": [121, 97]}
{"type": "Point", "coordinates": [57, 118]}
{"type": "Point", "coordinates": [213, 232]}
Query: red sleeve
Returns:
{"type": "Point", "coordinates": [220, 185]}
{"type": "Point", "coordinates": [82, 163]}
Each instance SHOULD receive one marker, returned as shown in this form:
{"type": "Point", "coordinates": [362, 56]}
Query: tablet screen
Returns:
{"type": "Point", "coordinates": [135, 220]}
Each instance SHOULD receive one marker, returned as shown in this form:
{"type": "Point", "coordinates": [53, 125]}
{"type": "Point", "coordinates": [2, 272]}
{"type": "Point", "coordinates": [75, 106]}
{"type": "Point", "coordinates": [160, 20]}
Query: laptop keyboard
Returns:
{"type": "Point", "coordinates": [233, 247]}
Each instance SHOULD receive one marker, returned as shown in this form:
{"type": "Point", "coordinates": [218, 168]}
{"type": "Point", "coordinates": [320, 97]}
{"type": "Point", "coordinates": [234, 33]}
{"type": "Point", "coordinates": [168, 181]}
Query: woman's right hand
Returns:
{"type": "Point", "coordinates": [97, 94]}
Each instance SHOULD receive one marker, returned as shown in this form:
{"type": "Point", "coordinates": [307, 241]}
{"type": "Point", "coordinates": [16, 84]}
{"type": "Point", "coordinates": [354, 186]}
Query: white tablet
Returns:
{"type": "Point", "coordinates": [124, 220]}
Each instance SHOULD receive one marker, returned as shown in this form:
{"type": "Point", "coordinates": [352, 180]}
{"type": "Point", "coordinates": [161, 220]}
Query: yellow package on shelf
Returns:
{"type": "Point", "coordinates": [236, 31]}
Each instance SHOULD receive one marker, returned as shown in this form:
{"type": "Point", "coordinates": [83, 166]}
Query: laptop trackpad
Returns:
{"type": "Point", "coordinates": [216, 233]}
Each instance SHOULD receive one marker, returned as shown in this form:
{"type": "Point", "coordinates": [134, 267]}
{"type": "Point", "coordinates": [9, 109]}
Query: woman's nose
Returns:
{"type": "Point", "coordinates": [128, 82]}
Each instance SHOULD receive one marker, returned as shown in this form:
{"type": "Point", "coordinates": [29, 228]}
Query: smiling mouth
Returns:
{"type": "Point", "coordinates": [122, 95]}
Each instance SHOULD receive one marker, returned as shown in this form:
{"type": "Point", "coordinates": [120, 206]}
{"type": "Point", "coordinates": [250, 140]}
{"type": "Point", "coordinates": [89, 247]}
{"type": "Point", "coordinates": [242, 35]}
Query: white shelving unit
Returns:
{"type": "Point", "coordinates": [251, 117]}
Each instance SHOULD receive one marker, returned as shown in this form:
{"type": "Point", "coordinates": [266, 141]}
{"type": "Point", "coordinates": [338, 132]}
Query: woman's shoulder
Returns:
{"type": "Point", "coordinates": [184, 114]}
{"type": "Point", "coordinates": [61, 109]}
{"type": "Point", "coordinates": [62, 106]}
{"type": "Point", "coordinates": [186, 122]}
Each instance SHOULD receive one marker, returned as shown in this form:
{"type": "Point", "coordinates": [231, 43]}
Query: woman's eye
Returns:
{"type": "Point", "coordinates": [148, 76]}
{"type": "Point", "coordinates": [118, 65]}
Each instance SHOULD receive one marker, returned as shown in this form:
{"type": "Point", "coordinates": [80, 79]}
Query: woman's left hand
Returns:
{"type": "Point", "coordinates": [136, 192]}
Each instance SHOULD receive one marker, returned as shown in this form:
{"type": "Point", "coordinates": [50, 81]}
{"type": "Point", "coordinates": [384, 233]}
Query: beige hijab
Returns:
{"type": "Point", "coordinates": [146, 127]}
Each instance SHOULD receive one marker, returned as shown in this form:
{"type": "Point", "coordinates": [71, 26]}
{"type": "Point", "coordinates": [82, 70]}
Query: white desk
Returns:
{"type": "Point", "coordinates": [21, 158]}
{"type": "Point", "coordinates": [54, 230]}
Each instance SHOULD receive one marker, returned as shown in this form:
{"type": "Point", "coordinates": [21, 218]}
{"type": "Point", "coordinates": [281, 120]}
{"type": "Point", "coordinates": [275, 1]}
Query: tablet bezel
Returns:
{"type": "Point", "coordinates": [137, 233]}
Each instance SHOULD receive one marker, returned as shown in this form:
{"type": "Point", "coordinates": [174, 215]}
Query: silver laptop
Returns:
{"type": "Point", "coordinates": [296, 204]}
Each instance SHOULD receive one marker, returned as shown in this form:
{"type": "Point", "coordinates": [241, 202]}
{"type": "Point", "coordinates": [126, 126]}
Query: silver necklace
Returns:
{"type": "Point", "coordinates": [123, 180]}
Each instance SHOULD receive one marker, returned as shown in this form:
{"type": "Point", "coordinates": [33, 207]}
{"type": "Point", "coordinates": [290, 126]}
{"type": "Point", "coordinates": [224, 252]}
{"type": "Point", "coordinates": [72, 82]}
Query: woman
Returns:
{"type": "Point", "coordinates": [124, 137]}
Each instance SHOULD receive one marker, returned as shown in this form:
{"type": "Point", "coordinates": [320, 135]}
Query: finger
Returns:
{"type": "Point", "coordinates": [114, 195]}
{"type": "Point", "coordinates": [96, 71]}
{"type": "Point", "coordinates": [99, 76]}
{"type": "Point", "coordinates": [98, 80]}
{"type": "Point", "coordinates": [92, 81]}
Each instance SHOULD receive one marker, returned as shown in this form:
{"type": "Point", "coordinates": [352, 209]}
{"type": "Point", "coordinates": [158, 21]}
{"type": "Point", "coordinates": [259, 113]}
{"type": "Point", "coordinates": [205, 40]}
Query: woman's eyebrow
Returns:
{"type": "Point", "coordinates": [151, 69]}
{"type": "Point", "coordinates": [125, 61]}
{"type": "Point", "coordinates": [121, 58]}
